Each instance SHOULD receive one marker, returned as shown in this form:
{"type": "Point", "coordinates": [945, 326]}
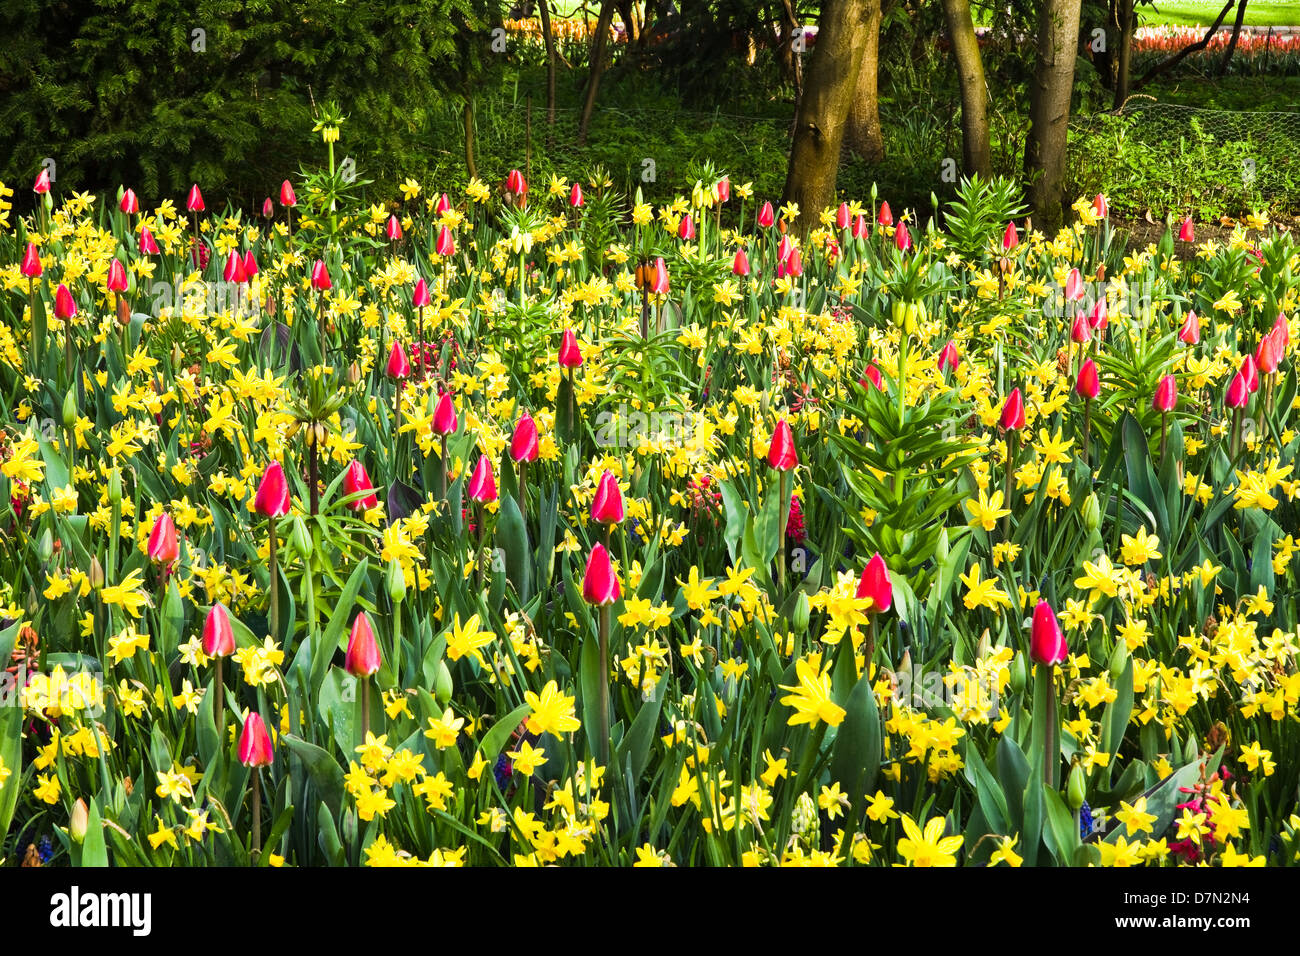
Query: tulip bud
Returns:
{"type": "Point", "coordinates": [1118, 660]}
{"type": "Point", "coordinates": [300, 538]}
{"type": "Point", "coordinates": [42, 184]}
{"type": "Point", "coordinates": [79, 821]}
{"type": "Point", "coordinates": [442, 685]}
{"type": "Point", "coordinates": [115, 487]}
{"type": "Point", "coordinates": [1238, 394]}
{"type": "Point", "coordinates": [287, 197]}
{"type": "Point", "coordinates": [575, 196]}
{"type": "Point", "coordinates": [218, 635]}
{"type": "Point", "coordinates": [446, 245]}
{"type": "Point", "coordinates": [1091, 512]}
{"type": "Point", "coordinates": [1185, 232]}
{"type": "Point", "coordinates": [194, 201]}
{"type": "Point", "coordinates": [255, 749]}
{"type": "Point", "coordinates": [268, 208]}
{"type": "Point", "coordinates": [65, 307]}
{"type": "Point", "coordinates": [1100, 207]}
{"type": "Point", "coordinates": [1017, 672]}
{"type": "Point", "coordinates": [659, 284]}
{"type": "Point", "coordinates": [396, 581]}
{"type": "Point", "coordinates": [148, 245]}
{"type": "Point", "coordinates": [320, 277]}
{"type": "Point", "coordinates": [885, 217]}
{"type": "Point", "coordinates": [799, 616]}
{"type": "Point", "coordinates": [1010, 238]}
{"type": "Point", "coordinates": [96, 574]}
{"type": "Point", "coordinates": [1075, 789]}
{"type": "Point", "coordinates": [420, 297]}
{"type": "Point", "coordinates": [1190, 332]}
{"type": "Point", "coordinates": [740, 264]}
{"type": "Point", "coordinates": [356, 481]}
{"type": "Point", "coordinates": [766, 216]}
{"type": "Point", "coordinates": [70, 408]}
{"type": "Point", "coordinates": [1081, 330]}
{"type": "Point", "coordinates": [1250, 373]}
{"type": "Point", "coordinates": [1073, 286]}
{"type": "Point", "coordinates": [599, 583]}
{"type": "Point", "coordinates": [362, 658]}
{"type": "Point", "coordinates": [842, 217]}
{"type": "Point", "coordinates": [902, 238]}
{"type": "Point", "coordinates": [393, 229]}
{"type": "Point", "coordinates": [45, 546]}
{"type": "Point", "coordinates": [949, 358]}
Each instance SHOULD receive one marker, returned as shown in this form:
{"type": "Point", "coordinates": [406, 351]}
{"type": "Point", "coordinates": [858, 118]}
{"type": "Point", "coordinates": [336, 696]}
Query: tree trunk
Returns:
{"type": "Point", "coordinates": [863, 134]}
{"type": "Point", "coordinates": [468, 115]}
{"type": "Point", "coordinates": [829, 89]}
{"type": "Point", "coordinates": [544, 9]}
{"type": "Point", "coordinates": [1232, 41]}
{"type": "Point", "coordinates": [597, 67]}
{"type": "Point", "coordinates": [626, 14]}
{"type": "Point", "coordinates": [1123, 53]}
{"type": "Point", "coordinates": [975, 153]}
{"type": "Point", "coordinates": [1049, 107]}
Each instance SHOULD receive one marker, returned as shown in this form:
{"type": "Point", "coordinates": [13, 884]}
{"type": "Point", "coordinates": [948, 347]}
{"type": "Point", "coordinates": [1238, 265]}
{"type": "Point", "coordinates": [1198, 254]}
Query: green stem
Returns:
{"type": "Point", "coordinates": [275, 584]}
{"type": "Point", "coordinates": [602, 741]}
{"type": "Point", "coordinates": [257, 813]}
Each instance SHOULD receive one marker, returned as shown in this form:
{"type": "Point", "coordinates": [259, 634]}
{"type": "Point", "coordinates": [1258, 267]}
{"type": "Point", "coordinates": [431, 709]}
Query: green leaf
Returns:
{"type": "Point", "coordinates": [495, 739]}
{"type": "Point", "coordinates": [344, 610]}
{"type": "Point", "coordinates": [1061, 834]}
{"type": "Point", "coordinates": [93, 850]}
{"type": "Point", "coordinates": [512, 538]}
{"type": "Point", "coordinates": [323, 770]}
{"type": "Point", "coordinates": [856, 752]}
{"type": "Point", "coordinates": [634, 749]}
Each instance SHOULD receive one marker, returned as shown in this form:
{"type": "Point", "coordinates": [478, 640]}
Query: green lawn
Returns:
{"type": "Point", "coordinates": [1182, 13]}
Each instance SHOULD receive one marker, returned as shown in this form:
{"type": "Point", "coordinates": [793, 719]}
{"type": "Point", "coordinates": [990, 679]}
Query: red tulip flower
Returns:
{"type": "Point", "coordinates": [420, 297]}
{"type": "Point", "coordinates": [1166, 396]}
{"type": "Point", "coordinates": [362, 658]}
{"type": "Point", "coordinates": [320, 277]}
{"type": "Point", "coordinates": [523, 443]}
{"type": "Point", "coordinates": [686, 228]}
{"type": "Point", "coordinates": [570, 355]}
{"type": "Point", "coordinates": [1081, 330]}
{"type": "Point", "coordinates": [398, 367]}
{"type": "Point", "coordinates": [766, 216]}
{"type": "Point", "coordinates": [600, 583]}
{"type": "Point", "coordinates": [442, 205]}
{"type": "Point", "coordinates": [65, 307]}
{"type": "Point", "coordinates": [117, 280]}
{"type": "Point", "coordinates": [287, 197]}
{"type": "Point", "coordinates": [1185, 232]}
{"type": "Point", "coordinates": [218, 636]}
{"type": "Point", "coordinates": [872, 376]}
{"type": "Point", "coordinates": [1047, 644]}
{"type": "Point", "coordinates": [1088, 385]}
{"type": "Point", "coordinates": [129, 204]}
{"type": "Point", "coordinates": [234, 270]}
{"type": "Point", "coordinates": [356, 481]}
{"type": "Point", "coordinates": [250, 266]}
{"type": "Point", "coordinates": [148, 245]}
{"type": "Point", "coordinates": [1010, 238]}
{"type": "Point", "coordinates": [393, 229]}
{"type": "Point", "coordinates": [949, 358]}
{"type": "Point", "coordinates": [444, 416]}
{"type": "Point", "coordinates": [42, 184]}
{"type": "Point", "coordinates": [875, 584]}
{"type": "Point", "coordinates": [659, 283]}
{"type": "Point", "coordinates": [446, 245]}
{"type": "Point", "coordinates": [740, 264]}
{"type": "Point", "coordinates": [860, 230]}
{"type": "Point", "coordinates": [781, 453]}
{"type": "Point", "coordinates": [482, 484]}
{"type": "Point", "coordinates": [1190, 332]}
{"type": "Point", "coordinates": [255, 749]}
{"type": "Point", "coordinates": [1073, 286]}
{"type": "Point", "coordinates": [1100, 207]}
{"type": "Point", "coordinates": [516, 183]}
{"type": "Point", "coordinates": [1267, 355]}
{"type": "Point", "coordinates": [607, 504]}
{"type": "Point", "coordinates": [902, 238]}
{"type": "Point", "coordinates": [842, 217]}
{"type": "Point", "coordinates": [1238, 394]}
{"type": "Point", "coordinates": [886, 216]}
{"type": "Point", "coordinates": [1250, 373]}
{"type": "Point", "coordinates": [162, 547]}
{"type": "Point", "coordinates": [272, 500]}
{"type": "Point", "coordinates": [31, 267]}
{"type": "Point", "coordinates": [1013, 412]}
{"type": "Point", "coordinates": [575, 196]}
{"type": "Point", "coordinates": [194, 201]}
